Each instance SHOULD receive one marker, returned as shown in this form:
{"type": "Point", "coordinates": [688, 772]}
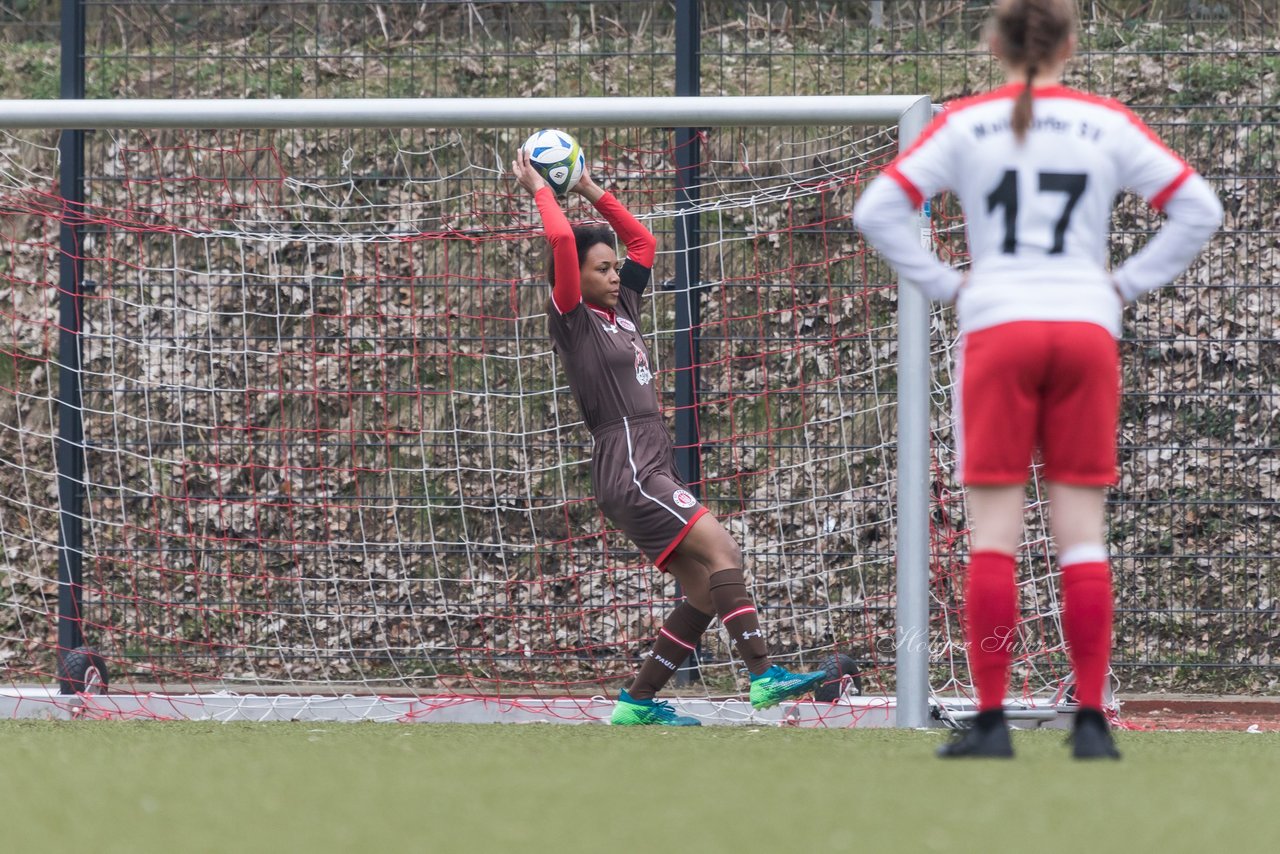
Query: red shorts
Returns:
{"type": "Point", "coordinates": [1051, 385]}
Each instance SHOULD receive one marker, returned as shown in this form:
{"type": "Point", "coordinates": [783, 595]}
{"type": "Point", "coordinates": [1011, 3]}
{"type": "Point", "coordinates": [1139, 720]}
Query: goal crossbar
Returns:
{"type": "Point", "coordinates": [719, 111]}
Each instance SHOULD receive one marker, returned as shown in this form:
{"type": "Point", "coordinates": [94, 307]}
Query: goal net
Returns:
{"type": "Point", "coordinates": [328, 450]}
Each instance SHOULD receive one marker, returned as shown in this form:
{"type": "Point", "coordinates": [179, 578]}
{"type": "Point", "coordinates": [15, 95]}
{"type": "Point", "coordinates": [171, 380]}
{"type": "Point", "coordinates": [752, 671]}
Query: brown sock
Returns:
{"type": "Point", "coordinates": [738, 614]}
{"type": "Point", "coordinates": [676, 639]}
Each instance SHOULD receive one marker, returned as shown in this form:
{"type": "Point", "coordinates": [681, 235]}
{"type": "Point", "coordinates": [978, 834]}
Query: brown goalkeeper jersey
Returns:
{"type": "Point", "coordinates": [604, 356]}
{"type": "Point", "coordinates": [633, 467]}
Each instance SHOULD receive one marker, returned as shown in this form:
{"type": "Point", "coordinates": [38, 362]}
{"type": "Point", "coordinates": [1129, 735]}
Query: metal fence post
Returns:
{"type": "Point", "coordinates": [70, 442]}
{"type": "Point", "coordinates": [688, 267]}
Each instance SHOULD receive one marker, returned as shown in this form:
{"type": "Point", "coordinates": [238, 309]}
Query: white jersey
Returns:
{"type": "Point", "coordinates": [1038, 213]}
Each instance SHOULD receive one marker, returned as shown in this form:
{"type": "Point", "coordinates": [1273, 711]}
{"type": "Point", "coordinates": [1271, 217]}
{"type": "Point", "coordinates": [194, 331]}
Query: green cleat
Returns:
{"type": "Point", "coordinates": [629, 712]}
{"type": "Point", "coordinates": [777, 684]}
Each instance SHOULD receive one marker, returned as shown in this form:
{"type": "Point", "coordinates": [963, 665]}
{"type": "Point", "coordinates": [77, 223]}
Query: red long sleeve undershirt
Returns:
{"type": "Point", "coordinates": [566, 293]}
{"type": "Point", "coordinates": [640, 244]}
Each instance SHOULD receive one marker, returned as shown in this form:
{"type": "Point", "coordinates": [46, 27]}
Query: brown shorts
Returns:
{"type": "Point", "coordinates": [633, 469]}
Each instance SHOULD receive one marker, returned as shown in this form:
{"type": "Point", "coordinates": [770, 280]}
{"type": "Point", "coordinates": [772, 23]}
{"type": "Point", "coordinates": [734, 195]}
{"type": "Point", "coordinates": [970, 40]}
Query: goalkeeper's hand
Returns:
{"type": "Point", "coordinates": [526, 175]}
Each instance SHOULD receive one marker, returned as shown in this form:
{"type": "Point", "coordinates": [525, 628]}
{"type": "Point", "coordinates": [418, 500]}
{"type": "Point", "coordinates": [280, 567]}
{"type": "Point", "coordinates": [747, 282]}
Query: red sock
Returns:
{"type": "Point", "coordinates": [991, 620]}
{"type": "Point", "coordinates": [1086, 621]}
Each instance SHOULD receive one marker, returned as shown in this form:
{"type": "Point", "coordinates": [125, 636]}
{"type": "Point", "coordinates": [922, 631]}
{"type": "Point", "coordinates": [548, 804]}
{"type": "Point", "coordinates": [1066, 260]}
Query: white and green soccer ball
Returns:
{"type": "Point", "coordinates": [557, 157]}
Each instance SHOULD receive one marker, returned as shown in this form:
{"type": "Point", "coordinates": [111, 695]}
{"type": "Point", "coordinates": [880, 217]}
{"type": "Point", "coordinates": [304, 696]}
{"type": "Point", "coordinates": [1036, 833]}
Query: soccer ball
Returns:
{"type": "Point", "coordinates": [557, 157]}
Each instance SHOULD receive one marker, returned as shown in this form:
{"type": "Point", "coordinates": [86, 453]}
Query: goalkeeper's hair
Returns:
{"type": "Point", "coordinates": [584, 236]}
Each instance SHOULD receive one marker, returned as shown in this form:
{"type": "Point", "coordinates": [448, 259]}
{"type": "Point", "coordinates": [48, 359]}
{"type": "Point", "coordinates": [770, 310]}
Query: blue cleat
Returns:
{"type": "Point", "coordinates": [629, 712]}
{"type": "Point", "coordinates": [777, 684]}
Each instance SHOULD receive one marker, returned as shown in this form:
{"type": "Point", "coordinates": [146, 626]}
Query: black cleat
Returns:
{"type": "Point", "coordinates": [1091, 736]}
{"type": "Point", "coordinates": [988, 737]}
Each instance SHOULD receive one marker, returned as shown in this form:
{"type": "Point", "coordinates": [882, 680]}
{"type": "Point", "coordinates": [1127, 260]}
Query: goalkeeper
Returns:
{"type": "Point", "coordinates": [593, 319]}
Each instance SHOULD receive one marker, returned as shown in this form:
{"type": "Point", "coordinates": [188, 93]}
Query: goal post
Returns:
{"type": "Point", "coordinates": [912, 632]}
{"type": "Point", "coordinates": [237, 217]}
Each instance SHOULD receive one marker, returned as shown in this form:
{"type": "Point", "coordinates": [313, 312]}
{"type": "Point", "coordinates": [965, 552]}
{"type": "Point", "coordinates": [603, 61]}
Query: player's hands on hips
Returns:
{"type": "Point", "coordinates": [526, 175]}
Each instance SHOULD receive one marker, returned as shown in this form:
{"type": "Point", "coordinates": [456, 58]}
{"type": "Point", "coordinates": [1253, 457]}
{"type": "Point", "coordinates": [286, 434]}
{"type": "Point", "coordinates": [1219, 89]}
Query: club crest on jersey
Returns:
{"type": "Point", "coordinates": [643, 375]}
{"type": "Point", "coordinates": [683, 498]}
{"type": "Point", "coordinates": [626, 324]}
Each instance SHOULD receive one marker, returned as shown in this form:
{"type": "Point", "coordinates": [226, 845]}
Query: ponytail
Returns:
{"type": "Point", "coordinates": [1031, 32]}
{"type": "Point", "coordinates": [1022, 107]}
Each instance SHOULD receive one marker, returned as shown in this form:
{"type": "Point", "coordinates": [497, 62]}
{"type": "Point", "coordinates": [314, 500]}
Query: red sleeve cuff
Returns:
{"type": "Point", "coordinates": [1160, 199]}
{"type": "Point", "coordinates": [913, 193]}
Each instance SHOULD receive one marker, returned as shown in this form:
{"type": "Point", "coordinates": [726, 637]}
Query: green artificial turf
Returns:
{"type": "Point", "coordinates": [142, 787]}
